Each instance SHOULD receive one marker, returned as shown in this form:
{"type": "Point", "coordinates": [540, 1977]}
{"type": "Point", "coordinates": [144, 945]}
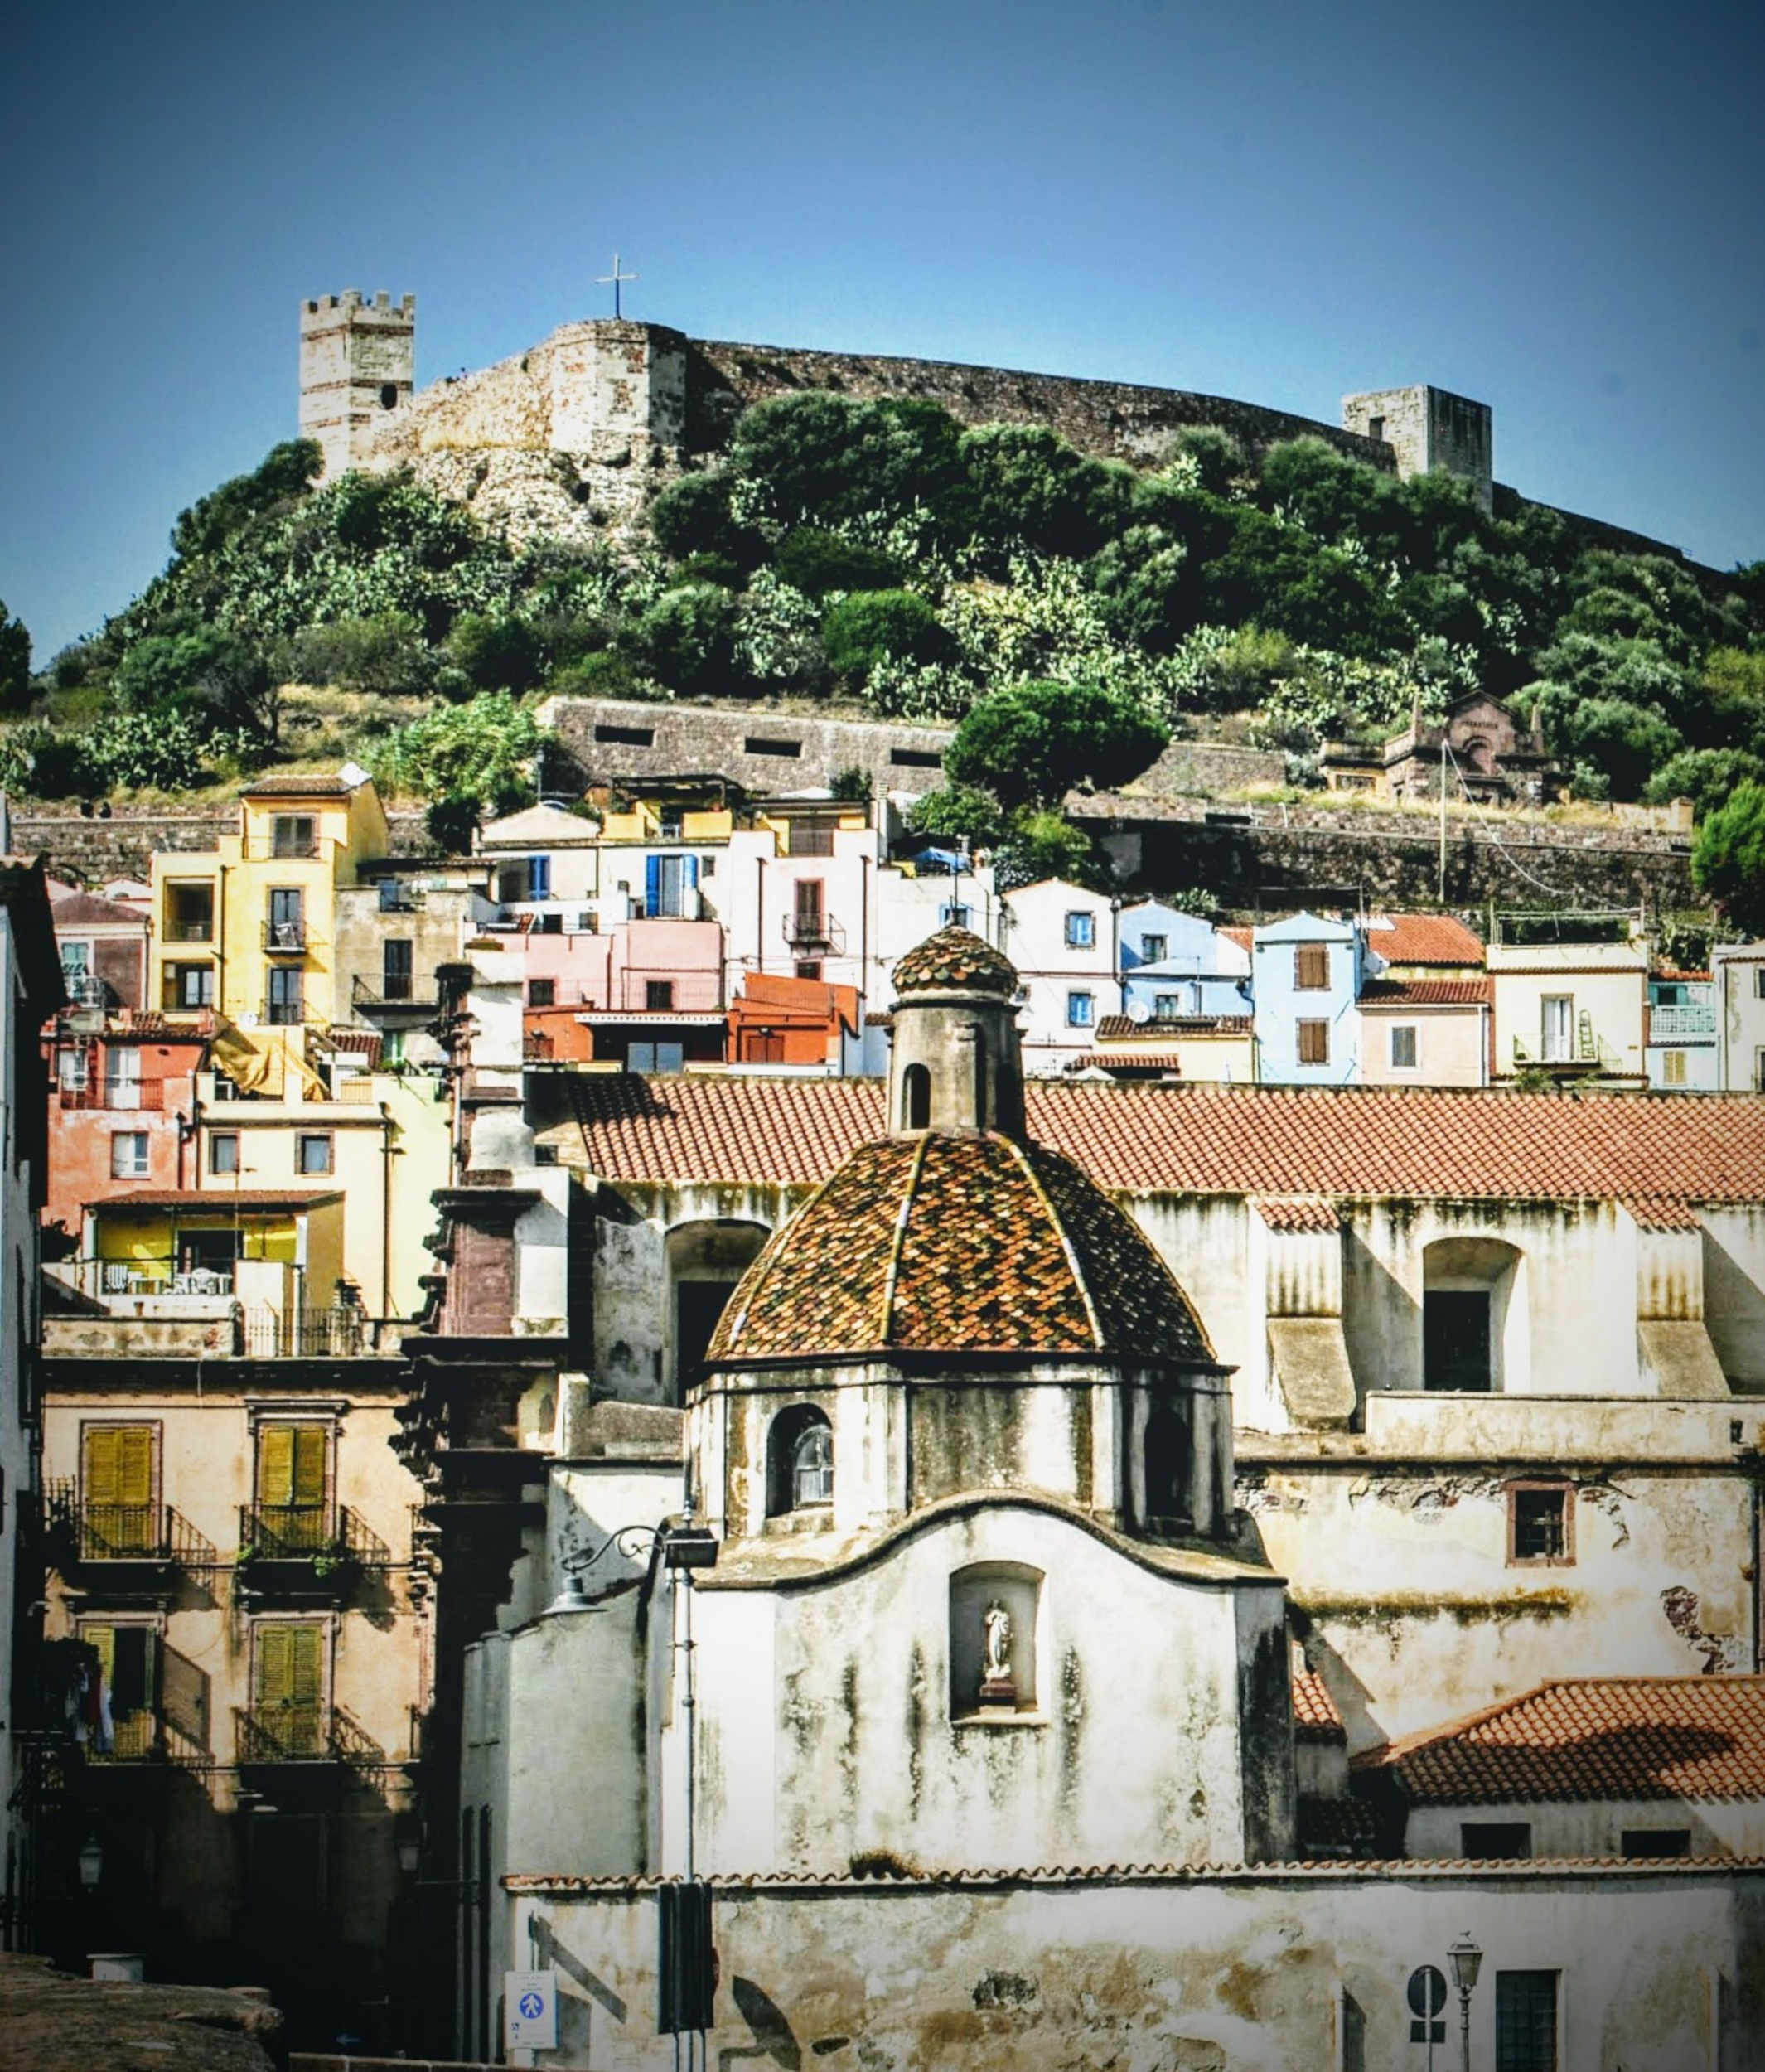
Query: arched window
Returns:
{"type": "Point", "coordinates": [915, 1098]}
{"type": "Point", "coordinates": [1168, 1464]}
{"type": "Point", "coordinates": [800, 1461]}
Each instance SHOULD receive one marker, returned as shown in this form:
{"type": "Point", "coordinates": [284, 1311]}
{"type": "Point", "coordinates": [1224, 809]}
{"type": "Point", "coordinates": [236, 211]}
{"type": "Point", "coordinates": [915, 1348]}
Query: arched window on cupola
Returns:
{"type": "Point", "coordinates": [799, 1462]}
{"type": "Point", "coordinates": [915, 1098]}
{"type": "Point", "coordinates": [1168, 1460]}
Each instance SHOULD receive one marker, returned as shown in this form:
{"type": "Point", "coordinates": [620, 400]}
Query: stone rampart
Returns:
{"type": "Point", "coordinates": [89, 852]}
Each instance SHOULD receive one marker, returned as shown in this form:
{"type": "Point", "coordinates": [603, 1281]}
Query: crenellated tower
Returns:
{"type": "Point", "coordinates": [357, 367]}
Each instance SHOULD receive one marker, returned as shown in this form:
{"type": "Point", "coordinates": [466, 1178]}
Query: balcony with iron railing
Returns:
{"type": "Point", "coordinates": [272, 1735]}
{"type": "Point", "coordinates": [1688, 1022]}
{"type": "Point", "coordinates": [342, 1333]}
{"type": "Point", "coordinates": [85, 1535]}
{"type": "Point", "coordinates": [325, 1539]}
{"type": "Point", "coordinates": [1581, 1051]}
{"type": "Point", "coordinates": [285, 938]}
{"type": "Point", "coordinates": [283, 1013]}
{"type": "Point", "coordinates": [142, 1097]}
{"type": "Point", "coordinates": [812, 933]}
{"type": "Point", "coordinates": [147, 1736]}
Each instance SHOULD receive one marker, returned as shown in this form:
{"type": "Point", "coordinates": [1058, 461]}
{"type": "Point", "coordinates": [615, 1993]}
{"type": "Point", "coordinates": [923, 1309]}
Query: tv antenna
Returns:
{"type": "Point", "coordinates": [614, 280]}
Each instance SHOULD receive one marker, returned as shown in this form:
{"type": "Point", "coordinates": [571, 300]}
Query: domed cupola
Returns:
{"type": "Point", "coordinates": [956, 1063]}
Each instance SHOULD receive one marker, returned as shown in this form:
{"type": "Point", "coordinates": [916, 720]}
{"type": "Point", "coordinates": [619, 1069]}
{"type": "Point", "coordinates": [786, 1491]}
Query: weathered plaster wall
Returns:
{"type": "Point", "coordinates": [1595, 1827]}
{"type": "Point", "coordinates": [1260, 1973]}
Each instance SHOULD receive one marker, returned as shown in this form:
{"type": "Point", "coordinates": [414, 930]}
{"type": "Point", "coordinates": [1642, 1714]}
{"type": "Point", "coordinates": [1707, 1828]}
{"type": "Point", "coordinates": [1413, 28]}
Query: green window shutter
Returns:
{"type": "Point", "coordinates": [308, 1464]}
{"type": "Point", "coordinates": [276, 1464]}
{"type": "Point", "coordinates": [276, 1664]}
{"type": "Point", "coordinates": [135, 1465]}
{"type": "Point", "coordinates": [304, 1663]}
{"type": "Point", "coordinates": [104, 1463]}
{"type": "Point", "coordinates": [104, 1639]}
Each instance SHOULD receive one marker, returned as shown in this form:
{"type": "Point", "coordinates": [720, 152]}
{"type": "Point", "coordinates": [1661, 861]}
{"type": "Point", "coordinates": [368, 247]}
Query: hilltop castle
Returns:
{"type": "Point", "coordinates": [575, 425]}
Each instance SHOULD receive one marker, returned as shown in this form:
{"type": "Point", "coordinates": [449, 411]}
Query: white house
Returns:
{"type": "Point", "coordinates": [1062, 939]}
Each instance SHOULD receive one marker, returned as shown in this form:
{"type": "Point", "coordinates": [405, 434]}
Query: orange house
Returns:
{"type": "Point", "coordinates": [788, 1021]}
{"type": "Point", "coordinates": [120, 1110]}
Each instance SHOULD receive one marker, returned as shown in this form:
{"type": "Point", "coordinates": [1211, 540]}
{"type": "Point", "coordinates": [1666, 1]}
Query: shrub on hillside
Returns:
{"type": "Point", "coordinates": [386, 653]}
{"type": "Point", "coordinates": [874, 627]}
{"type": "Point", "coordinates": [286, 473]}
{"type": "Point", "coordinates": [687, 639]}
{"type": "Point", "coordinates": [822, 458]}
{"type": "Point", "coordinates": [495, 650]}
{"type": "Point", "coordinates": [482, 752]}
{"type": "Point", "coordinates": [1028, 487]}
{"type": "Point", "coordinates": [956, 812]}
{"type": "Point", "coordinates": [1031, 744]}
{"type": "Point", "coordinates": [814, 562]}
{"type": "Point", "coordinates": [1707, 777]}
{"type": "Point", "coordinates": [15, 664]}
{"type": "Point", "coordinates": [1728, 859]}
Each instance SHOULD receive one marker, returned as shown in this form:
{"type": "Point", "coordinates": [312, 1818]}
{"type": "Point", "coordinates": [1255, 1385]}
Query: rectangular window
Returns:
{"type": "Point", "coordinates": [542, 992]}
{"type": "Point", "coordinates": [1081, 930]}
{"type": "Point", "coordinates": [188, 987]}
{"type": "Point", "coordinates": [312, 1153]}
{"type": "Point", "coordinates": [293, 835]}
{"type": "Point", "coordinates": [952, 914]}
{"type": "Point", "coordinates": [293, 1464]}
{"type": "Point", "coordinates": [659, 996]}
{"type": "Point", "coordinates": [810, 910]}
{"type": "Point", "coordinates": [1494, 1841]}
{"type": "Point", "coordinates": [223, 1151]}
{"type": "Point", "coordinates": [1455, 1339]}
{"type": "Point", "coordinates": [73, 1065]}
{"type": "Point", "coordinates": [288, 918]}
{"type": "Point", "coordinates": [396, 973]}
{"type": "Point", "coordinates": [1167, 1007]}
{"type": "Point", "coordinates": [1759, 981]}
{"type": "Point", "coordinates": [1557, 1028]}
{"type": "Point", "coordinates": [539, 877]}
{"type": "Point", "coordinates": [1403, 1046]}
{"type": "Point", "coordinates": [810, 838]}
{"type": "Point", "coordinates": [1312, 1045]}
{"type": "Point", "coordinates": [190, 912]}
{"type": "Point", "coordinates": [1081, 1011]}
{"type": "Point", "coordinates": [1312, 967]}
{"type": "Point", "coordinates": [128, 1668]}
{"type": "Point", "coordinates": [129, 1155]}
{"type": "Point", "coordinates": [806, 968]}
{"type": "Point", "coordinates": [1758, 1073]}
{"type": "Point", "coordinates": [1525, 2021]}
{"type": "Point", "coordinates": [123, 1077]}
{"type": "Point", "coordinates": [1673, 1068]}
{"type": "Point", "coordinates": [288, 1683]}
{"type": "Point", "coordinates": [117, 1471]}
{"type": "Point", "coordinates": [1152, 948]}
{"type": "Point", "coordinates": [1658, 1842]}
{"type": "Point", "coordinates": [1540, 1526]}
{"type": "Point", "coordinates": [285, 1007]}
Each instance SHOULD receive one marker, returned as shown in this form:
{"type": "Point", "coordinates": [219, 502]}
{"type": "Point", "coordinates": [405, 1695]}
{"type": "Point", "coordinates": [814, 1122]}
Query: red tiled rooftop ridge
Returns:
{"type": "Point", "coordinates": [1458, 1143]}
{"type": "Point", "coordinates": [958, 959]}
{"type": "Point", "coordinates": [1427, 993]}
{"type": "Point", "coordinates": [1595, 1738]}
{"type": "Point", "coordinates": [1425, 938]}
{"type": "Point", "coordinates": [1315, 1714]}
{"type": "Point", "coordinates": [959, 1243]}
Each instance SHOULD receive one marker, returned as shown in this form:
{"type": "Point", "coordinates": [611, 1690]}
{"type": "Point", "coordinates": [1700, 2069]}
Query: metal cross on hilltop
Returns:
{"type": "Point", "coordinates": [613, 280]}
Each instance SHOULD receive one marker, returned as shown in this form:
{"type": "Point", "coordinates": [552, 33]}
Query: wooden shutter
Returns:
{"type": "Point", "coordinates": [1311, 966]}
{"type": "Point", "coordinates": [289, 1670]}
{"type": "Point", "coordinates": [276, 1464]}
{"type": "Point", "coordinates": [119, 1464]}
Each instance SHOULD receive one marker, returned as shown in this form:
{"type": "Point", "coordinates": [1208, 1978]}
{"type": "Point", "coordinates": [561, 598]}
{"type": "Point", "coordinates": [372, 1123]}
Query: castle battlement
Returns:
{"type": "Point", "coordinates": [324, 312]}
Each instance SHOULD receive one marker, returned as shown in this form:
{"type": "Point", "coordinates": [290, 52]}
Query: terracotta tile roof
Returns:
{"type": "Point", "coordinates": [1315, 1715]}
{"type": "Point", "coordinates": [1427, 993]}
{"type": "Point", "coordinates": [1242, 937]}
{"type": "Point", "coordinates": [1298, 1211]}
{"type": "Point", "coordinates": [1425, 938]}
{"type": "Point", "coordinates": [88, 910]}
{"type": "Point", "coordinates": [222, 1200]}
{"type": "Point", "coordinates": [353, 1042]}
{"type": "Point", "coordinates": [955, 957]}
{"type": "Point", "coordinates": [958, 1243]}
{"type": "Point", "coordinates": [291, 786]}
{"type": "Point", "coordinates": [1659, 1215]}
{"type": "Point", "coordinates": [1115, 1029]}
{"type": "Point", "coordinates": [148, 1025]}
{"type": "Point", "coordinates": [1605, 1737]}
{"type": "Point", "coordinates": [1205, 1138]}
{"type": "Point", "coordinates": [1126, 1060]}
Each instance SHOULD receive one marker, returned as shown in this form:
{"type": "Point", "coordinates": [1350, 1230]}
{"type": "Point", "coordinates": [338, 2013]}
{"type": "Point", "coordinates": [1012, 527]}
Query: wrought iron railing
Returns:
{"type": "Point", "coordinates": [338, 1333]}
{"type": "Point", "coordinates": [1680, 1022]}
{"type": "Point", "coordinates": [283, 1013]}
{"type": "Point", "coordinates": [287, 938]}
{"type": "Point", "coordinates": [148, 1737]}
{"type": "Point", "coordinates": [309, 1533]}
{"type": "Point", "coordinates": [91, 1532]}
{"type": "Point", "coordinates": [818, 932]}
{"type": "Point", "coordinates": [1582, 1048]}
{"type": "Point", "coordinates": [131, 1096]}
{"type": "Point", "coordinates": [301, 1733]}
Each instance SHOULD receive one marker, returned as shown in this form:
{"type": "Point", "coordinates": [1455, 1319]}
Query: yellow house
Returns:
{"type": "Point", "coordinates": [249, 929]}
{"type": "Point", "coordinates": [1215, 1048]}
{"type": "Point", "coordinates": [1569, 1009]}
{"type": "Point", "coordinates": [383, 1144]}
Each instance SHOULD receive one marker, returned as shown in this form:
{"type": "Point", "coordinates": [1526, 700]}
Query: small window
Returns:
{"type": "Point", "coordinates": [1655, 1842]}
{"type": "Point", "coordinates": [1540, 1519]}
{"type": "Point", "coordinates": [223, 1151]}
{"type": "Point", "coordinates": [812, 1468]}
{"type": "Point", "coordinates": [659, 996]}
{"type": "Point", "coordinates": [764, 744]}
{"type": "Point", "coordinates": [189, 986]}
{"type": "Point", "coordinates": [1526, 2021]}
{"type": "Point", "coordinates": [1494, 1841]}
{"type": "Point", "coordinates": [1081, 1011]}
{"type": "Point", "coordinates": [1376, 428]}
{"type": "Point", "coordinates": [1167, 1007]}
{"type": "Point", "coordinates": [800, 1460]}
{"type": "Point", "coordinates": [1759, 981]}
{"type": "Point", "coordinates": [389, 395]}
{"type": "Point", "coordinates": [915, 1098]}
{"type": "Point", "coordinates": [1455, 1339]}
{"type": "Point", "coordinates": [708, 866]}
{"type": "Point", "coordinates": [1312, 967]}
{"type": "Point", "coordinates": [1152, 948]}
{"type": "Point", "coordinates": [1673, 1068]}
{"type": "Point", "coordinates": [293, 835]}
{"type": "Point", "coordinates": [626, 736]}
{"type": "Point", "coordinates": [1312, 1043]}
{"type": "Point", "coordinates": [312, 1153]}
{"type": "Point", "coordinates": [128, 1154]}
{"type": "Point", "coordinates": [396, 955]}
{"type": "Point", "coordinates": [1403, 1046]}
{"type": "Point", "coordinates": [73, 1065]}
{"type": "Point", "coordinates": [916, 758]}
{"type": "Point", "coordinates": [539, 877]}
{"type": "Point", "coordinates": [542, 992]}
{"type": "Point", "coordinates": [952, 914]}
{"type": "Point", "coordinates": [808, 969]}
{"type": "Point", "coordinates": [1758, 1072]}
{"type": "Point", "coordinates": [1081, 930]}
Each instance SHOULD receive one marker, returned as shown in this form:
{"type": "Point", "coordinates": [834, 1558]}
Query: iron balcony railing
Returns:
{"type": "Point", "coordinates": [85, 1532]}
{"type": "Point", "coordinates": [190, 928]}
{"type": "Point", "coordinates": [1681, 1024]}
{"type": "Point", "coordinates": [148, 1737]}
{"type": "Point", "coordinates": [814, 931]}
{"type": "Point", "coordinates": [340, 1334]}
{"type": "Point", "coordinates": [298, 1733]}
{"type": "Point", "coordinates": [1581, 1050]}
{"type": "Point", "coordinates": [315, 1533]}
{"type": "Point", "coordinates": [285, 938]}
{"type": "Point", "coordinates": [142, 1097]}
{"type": "Point", "coordinates": [283, 1013]}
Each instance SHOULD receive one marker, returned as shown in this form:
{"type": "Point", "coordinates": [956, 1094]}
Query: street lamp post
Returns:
{"type": "Point", "coordinates": [1467, 1960]}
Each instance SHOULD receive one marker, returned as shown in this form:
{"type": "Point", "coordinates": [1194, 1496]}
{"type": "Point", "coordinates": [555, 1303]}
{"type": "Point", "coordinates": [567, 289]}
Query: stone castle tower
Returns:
{"type": "Point", "coordinates": [358, 363]}
{"type": "Point", "coordinates": [1427, 428]}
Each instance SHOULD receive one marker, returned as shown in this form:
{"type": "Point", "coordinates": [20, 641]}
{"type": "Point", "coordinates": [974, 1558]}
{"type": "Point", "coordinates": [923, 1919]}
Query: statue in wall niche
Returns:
{"type": "Point", "coordinates": [997, 1686]}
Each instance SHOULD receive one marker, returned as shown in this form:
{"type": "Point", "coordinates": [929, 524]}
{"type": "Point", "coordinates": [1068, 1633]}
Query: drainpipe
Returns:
{"type": "Point", "coordinates": [386, 1158]}
{"type": "Point", "coordinates": [760, 913]}
{"type": "Point", "coordinates": [220, 945]}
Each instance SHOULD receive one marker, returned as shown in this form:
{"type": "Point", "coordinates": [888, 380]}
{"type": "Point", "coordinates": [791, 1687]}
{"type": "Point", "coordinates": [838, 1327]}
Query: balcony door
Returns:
{"type": "Point", "coordinates": [117, 1489]}
{"type": "Point", "coordinates": [127, 1726]}
{"type": "Point", "coordinates": [287, 1681]}
{"type": "Point", "coordinates": [1559, 1028]}
{"type": "Point", "coordinates": [288, 918]}
{"type": "Point", "coordinates": [291, 1487]}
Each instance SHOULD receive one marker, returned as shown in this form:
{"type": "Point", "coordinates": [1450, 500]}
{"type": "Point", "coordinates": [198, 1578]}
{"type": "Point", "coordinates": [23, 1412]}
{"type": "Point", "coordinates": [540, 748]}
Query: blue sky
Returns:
{"type": "Point", "coordinates": [1553, 209]}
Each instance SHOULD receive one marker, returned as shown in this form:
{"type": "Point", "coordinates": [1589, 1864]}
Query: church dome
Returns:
{"type": "Point", "coordinates": [955, 959]}
{"type": "Point", "coordinates": [969, 1243]}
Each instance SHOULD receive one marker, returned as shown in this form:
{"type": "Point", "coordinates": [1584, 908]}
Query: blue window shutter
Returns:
{"type": "Point", "coordinates": [692, 873]}
{"type": "Point", "coordinates": [652, 884]}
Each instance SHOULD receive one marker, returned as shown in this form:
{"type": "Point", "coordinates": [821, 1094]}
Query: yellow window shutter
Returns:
{"type": "Point", "coordinates": [104, 1463]}
{"type": "Point", "coordinates": [309, 1464]}
{"type": "Point", "coordinates": [305, 1664]}
{"type": "Point", "coordinates": [276, 1464]}
{"type": "Point", "coordinates": [276, 1664]}
{"type": "Point", "coordinates": [104, 1639]}
{"type": "Point", "coordinates": [135, 1465]}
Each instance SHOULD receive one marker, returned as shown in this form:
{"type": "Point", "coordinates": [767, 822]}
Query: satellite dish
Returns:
{"type": "Point", "coordinates": [1139, 1011]}
{"type": "Point", "coordinates": [248, 1019]}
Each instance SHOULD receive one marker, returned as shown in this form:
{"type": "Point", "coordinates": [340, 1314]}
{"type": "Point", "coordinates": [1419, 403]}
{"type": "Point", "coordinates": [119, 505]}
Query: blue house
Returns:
{"type": "Point", "coordinates": [1175, 966]}
{"type": "Point", "coordinates": [1307, 975]}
